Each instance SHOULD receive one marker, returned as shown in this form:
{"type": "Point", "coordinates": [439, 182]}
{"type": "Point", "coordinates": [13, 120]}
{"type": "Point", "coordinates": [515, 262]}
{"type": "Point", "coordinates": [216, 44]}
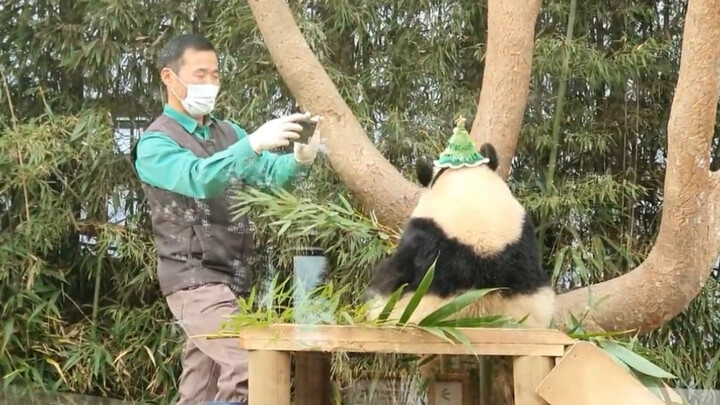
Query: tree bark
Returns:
{"type": "Point", "coordinates": [689, 238]}
{"type": "Point", "coordinates": [351, 153]}
{"type": "Point", "coordinates": [506, 78]}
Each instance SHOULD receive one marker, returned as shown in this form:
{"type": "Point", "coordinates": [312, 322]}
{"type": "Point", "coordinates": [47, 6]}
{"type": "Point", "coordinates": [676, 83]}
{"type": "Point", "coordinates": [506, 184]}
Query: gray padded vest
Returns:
{"type": "Point", "coordinates": [196, 240]}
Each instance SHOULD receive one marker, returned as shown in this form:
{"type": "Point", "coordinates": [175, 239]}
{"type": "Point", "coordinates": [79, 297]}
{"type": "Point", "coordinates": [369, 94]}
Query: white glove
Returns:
{"type": "Point", "coordinates": [305, 154]}
{"type": "Point", "coordinates": [277, 133]}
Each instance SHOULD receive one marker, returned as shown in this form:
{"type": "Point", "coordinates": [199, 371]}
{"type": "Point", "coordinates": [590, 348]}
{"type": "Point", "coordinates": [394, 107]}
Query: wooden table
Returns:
{"type": "Point", "coordinates": [271, 347]}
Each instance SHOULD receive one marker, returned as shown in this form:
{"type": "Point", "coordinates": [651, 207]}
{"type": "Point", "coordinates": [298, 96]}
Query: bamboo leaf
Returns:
{"type": "Point", "coordinates": [345, 202]}
{"type": "Point", "coordinates": [594, 335]}
{"type": "Point", "coordinates": [460, 338]}
{"type": "Point", "coordinates": [347, 318]}
{"type": "Point", "coordinates": [559, 261]}
{"type": "Point", "coordinates": [418, 294]}
{"type": "Point", "coordinates": [7, 333]}
{"type": "Point", "coordinates": [437, 332]}
{"type": "Point", "coordinates": [478, 322]}
{"type": "Point", "coordinates": [634, 360]}
{"type": "Point", "coordinates": [390, 304]}
{"type": "Point", "coordinates": [455, 306]}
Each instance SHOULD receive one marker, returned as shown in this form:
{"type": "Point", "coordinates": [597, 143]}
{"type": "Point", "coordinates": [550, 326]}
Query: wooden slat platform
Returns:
{"type": "Point", "coordinates": [364, 339]}
{"type": "Point", "coordinates": [534, 350]}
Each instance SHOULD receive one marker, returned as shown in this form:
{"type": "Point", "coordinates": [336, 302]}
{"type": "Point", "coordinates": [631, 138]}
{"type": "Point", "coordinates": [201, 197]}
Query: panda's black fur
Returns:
{"type": "Point", "coordinates": [457, 266]}
{"type": "Point", "coordinates": [491, 243]}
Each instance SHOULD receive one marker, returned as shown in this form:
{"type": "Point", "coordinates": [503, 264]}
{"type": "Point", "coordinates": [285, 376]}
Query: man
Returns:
{"type": "Point", "coordinates": [186, 160]}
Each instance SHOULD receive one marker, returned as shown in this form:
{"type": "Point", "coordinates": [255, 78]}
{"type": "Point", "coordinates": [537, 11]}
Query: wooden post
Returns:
{"type": "Point", "coordinates": [528, 373]}
{"type": "Point", "coordinates": [312, 378]}
{"type": "Point", "coordinates": [484, 382]}
{"type": "Point", "coordinates": [269, 378]}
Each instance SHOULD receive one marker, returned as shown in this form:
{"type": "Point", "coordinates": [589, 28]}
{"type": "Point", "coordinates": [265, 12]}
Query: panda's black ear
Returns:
{"type": "Point", "coordinates": [488, 151]}
{"type": "Point", "coordinates": [424, 171]}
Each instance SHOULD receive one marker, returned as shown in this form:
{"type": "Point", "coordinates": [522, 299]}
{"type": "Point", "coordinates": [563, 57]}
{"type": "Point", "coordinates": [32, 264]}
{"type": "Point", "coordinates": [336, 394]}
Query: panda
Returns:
{"type": "Point", "coordinates": [482, 237]}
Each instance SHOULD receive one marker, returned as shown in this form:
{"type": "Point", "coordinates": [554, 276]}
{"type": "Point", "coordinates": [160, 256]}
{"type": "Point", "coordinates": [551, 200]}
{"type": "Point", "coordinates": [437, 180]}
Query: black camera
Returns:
{"type": "Point", "coordinates": [307, 131]}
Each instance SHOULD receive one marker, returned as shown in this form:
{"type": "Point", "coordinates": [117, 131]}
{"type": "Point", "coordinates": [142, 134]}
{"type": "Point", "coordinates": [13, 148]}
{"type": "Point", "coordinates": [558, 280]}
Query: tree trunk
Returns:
{"type": "Point", "coordinates": [506, 78]}
{"type": "Point", "coordinates": [689, 239]}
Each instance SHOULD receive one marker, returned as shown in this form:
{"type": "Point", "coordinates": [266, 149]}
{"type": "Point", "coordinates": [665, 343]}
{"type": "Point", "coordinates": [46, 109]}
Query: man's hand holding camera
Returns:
{"type": "Point", "coordinates": [281, 131]}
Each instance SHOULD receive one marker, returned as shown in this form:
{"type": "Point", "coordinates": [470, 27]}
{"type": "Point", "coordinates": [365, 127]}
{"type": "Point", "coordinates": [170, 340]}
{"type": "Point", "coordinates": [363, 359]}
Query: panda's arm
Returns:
{"type": "Point", "coordinates": [386, 277]}
{"type": "Point", "coordinates": [417, 249]}
{"type": "Point", "coordinates": [416, 252]}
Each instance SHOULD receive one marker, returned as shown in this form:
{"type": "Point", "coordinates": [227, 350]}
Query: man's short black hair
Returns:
{"type": "Point", "coordinates": [171, 54]}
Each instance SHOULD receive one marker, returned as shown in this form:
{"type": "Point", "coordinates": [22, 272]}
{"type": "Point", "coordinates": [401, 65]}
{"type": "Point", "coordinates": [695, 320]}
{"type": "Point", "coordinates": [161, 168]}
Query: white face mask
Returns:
{"type": "Point", "coordinates": [200, 98]}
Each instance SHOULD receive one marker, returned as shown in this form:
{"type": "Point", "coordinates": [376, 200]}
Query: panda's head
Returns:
{"type": "Point", "coordinates": [471, 204]}
{"type": "Point", "coordinates": [428, 174]}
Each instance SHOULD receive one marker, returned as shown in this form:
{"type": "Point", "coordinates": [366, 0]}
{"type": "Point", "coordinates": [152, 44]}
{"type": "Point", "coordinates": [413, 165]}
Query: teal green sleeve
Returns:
{"type": "Point", "coordinates": [162, 163]}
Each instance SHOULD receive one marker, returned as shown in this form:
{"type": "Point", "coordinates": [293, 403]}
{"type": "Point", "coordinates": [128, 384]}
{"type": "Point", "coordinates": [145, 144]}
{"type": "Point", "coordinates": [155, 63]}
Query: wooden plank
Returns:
{"type": "Point", "coordinates": [586, 375]}
{"type": "Point", "coordinates": [312, 378]}
{"type": "Point", "coordinates": [392, 339]}
{"type": "Point", "coordinates": [269, 378]}
{"type": "Point", "coordinates": [672, 395]}
{"type": "Point", "coordinates": [393, 334]}
{"type": "Point", "coordinates": [458, 349]}
{"type": "Point", "coordinates": [364, 339]}
{"type": "Point", "coordinates": [528, 372]}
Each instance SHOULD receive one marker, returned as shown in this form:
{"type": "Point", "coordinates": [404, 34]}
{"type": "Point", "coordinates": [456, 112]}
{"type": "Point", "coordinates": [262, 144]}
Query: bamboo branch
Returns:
{"type": "Point", "coordinates": [15, 127]}
{"type": "Point", "coordinates": [557, 122]}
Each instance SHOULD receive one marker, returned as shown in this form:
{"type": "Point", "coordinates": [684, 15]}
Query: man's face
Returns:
{"type": "Point", "coordinates": [195, 67]}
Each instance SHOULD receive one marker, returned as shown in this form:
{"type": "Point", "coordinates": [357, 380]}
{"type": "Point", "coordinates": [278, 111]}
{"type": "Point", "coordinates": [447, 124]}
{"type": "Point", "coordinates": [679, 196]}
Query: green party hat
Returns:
{"type": "Point", "coordinates": [460, 151]}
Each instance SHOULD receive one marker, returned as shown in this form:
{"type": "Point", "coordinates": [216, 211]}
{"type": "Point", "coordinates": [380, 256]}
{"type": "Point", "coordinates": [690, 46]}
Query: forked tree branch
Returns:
{"type": "Point", "coordinates": [689, 239]}
{"type": "Point", "coordinates": [506, 77]}
{"type": "Point", "coordinates": [380, 188]}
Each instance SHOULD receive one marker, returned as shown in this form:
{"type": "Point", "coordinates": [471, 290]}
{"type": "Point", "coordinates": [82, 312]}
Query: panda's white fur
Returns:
{"type": "Point", "coordinates": [484, 239]}
{"type": "Point", "coordinates": [462, 199]}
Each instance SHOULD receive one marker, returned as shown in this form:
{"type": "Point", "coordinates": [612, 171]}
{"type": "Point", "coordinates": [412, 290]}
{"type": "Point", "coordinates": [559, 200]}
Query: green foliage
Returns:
{"type": "Point", "coordinates": [275, 305]}
{"type": "Point", "coordinates": [353, 240]}
{"type": "Point", "coordinates": [620, 351]}
{"type": "Point", "coordinates": [439, 316]}
{"type": "Point", "coordinates": [65, 323]}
